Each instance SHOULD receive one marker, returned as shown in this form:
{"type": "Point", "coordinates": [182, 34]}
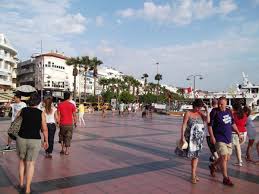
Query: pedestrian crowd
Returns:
{"type": "Point", "coordinates": [223, 128]}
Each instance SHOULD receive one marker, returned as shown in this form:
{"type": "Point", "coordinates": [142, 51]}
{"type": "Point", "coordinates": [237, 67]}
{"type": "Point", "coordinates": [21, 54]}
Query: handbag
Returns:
{"type": "Point", "coordinates": [15, 128]}
{"type": "Point", "coordinates": [182, 145]}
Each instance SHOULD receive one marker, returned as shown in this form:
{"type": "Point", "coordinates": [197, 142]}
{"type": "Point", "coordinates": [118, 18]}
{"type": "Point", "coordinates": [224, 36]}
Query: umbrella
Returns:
{"type": "Point", "coordinates": [26, 89]}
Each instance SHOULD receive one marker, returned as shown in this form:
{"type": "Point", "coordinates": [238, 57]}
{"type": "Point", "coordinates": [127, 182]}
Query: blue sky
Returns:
{"type": "Point", "coordinates": [216, 38]}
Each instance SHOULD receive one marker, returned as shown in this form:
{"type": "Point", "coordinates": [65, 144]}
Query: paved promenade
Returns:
{"type": "Point", "coordinates": [127, 155]}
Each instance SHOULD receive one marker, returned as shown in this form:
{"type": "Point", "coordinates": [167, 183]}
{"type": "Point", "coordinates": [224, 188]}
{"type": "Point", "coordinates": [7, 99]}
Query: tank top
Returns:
{"type": "Point", "coordinates": [31, 123]}
{"type": "Point", "coordinates": [50, 118]}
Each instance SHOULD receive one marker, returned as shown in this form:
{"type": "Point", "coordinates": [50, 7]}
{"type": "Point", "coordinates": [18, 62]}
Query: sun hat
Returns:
{"type": "Point", "coordinates": [182, 145]}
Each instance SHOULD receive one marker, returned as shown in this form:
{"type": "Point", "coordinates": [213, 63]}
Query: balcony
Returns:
{"type": "Point", "coordinates": [26, 79]}
{"type": "Point", "coordinates": [25, 71]}
{"type": "Point", "coordinates": [5, 82]}
{"type": "Point", "coordinates": [7, 58]}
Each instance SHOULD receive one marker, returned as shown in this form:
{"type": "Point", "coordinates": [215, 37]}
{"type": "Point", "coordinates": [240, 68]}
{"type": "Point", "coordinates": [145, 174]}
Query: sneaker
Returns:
{"type": "Point", "coordinates": [238, 164]}
{"type": "Point", "coordinates": [7, 147]}
{"type": "Point", "coordinates": [212, 170]}
{"type": "Point", "coordinates": [228, 182]}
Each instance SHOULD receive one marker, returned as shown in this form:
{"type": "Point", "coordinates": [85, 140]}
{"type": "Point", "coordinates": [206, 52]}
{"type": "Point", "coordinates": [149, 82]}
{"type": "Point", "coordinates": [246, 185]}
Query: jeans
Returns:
{"type": "Point", "coordinates": [51, 136]}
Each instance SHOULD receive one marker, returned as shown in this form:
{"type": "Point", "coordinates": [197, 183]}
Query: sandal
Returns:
{"type": "Point", "coordinates": [66, 153]}
{"type": "Point", "coordinates": [248, 159]}
{"type": "Point", "coordinates": [197, 178]}
{"type": "Point", "coordinates": [194, 180]}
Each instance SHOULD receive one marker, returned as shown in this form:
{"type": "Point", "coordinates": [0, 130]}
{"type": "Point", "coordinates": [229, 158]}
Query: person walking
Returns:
{"type": "Point", "coordinates": [17, 106]}
{"type": "Point", "coordinates": [192, 132]}
{"type": "Point", "coordinates": [214, 155]}
{"type": "Point", "coordinates": [51, 118]}
{"type": "Point", "coordinates": [240, 119]}
{"type": "Point", "coordinates": [220, 129]}
{"type": "Point", "coordinates": [121, 108]}
{"type": "Point", "coordinates": [29, 140]}
{"type": "Point", "coordinates": [251, 133]}
{"type": "Point", "coordinates": [67, 121]}
{"type": "Point", "coordinates": [81, 111]}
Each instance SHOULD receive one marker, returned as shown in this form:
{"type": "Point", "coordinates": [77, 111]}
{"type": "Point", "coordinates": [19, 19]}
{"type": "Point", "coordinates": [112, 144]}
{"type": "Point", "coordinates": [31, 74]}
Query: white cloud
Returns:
{"type": "Point", "coordinates": [218, 60]}
{"type": "Point", "coordinates": [227, 6]}
{"type": "Point", "coordinates": [180, 12]}
{"type": "Point", "coordinates": [99, 21]}
{"type": "Point", "coordinates": [26, 22]}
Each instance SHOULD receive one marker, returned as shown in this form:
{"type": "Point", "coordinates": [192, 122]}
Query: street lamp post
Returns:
{"type": "Point", "coordinates": [194, 81]}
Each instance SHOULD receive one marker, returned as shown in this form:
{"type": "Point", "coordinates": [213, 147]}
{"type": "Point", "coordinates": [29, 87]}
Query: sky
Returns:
{"type": "Point", "coordinates": [218, 39]}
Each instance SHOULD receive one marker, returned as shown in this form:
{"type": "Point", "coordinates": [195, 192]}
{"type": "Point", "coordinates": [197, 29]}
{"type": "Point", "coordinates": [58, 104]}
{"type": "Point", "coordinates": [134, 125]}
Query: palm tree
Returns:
{"type": "Point", "coordinates": [94, 65]}
{"type": "Point", "coordinates": [158, 77]}
{"type": "Point", "coordinates": [75, 62]}
{"type": "Point", "coordinates": [145, 76]}
{"type": "Point", "coordinates": [85, 61]}
{"type": "Point", "coordinates": [151, 87]}
{"type": "Point", "coordinates": [135, 84]}
{"type": "Point", "coordinates": [104, 82]}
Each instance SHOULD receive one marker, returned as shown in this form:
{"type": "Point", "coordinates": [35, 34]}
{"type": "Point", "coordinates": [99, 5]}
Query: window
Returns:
{"type": "Point", "coordinates": [46, 65]}
{"type": "Point", "coordinates": [52, 63]}
{"type": "Point", "coordinates": [49, 65]}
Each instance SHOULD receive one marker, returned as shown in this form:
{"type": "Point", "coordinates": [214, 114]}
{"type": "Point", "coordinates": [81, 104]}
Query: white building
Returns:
{"type": "Point", "coordinates": [8, 64]}
{"type": "Point", "coordinates": [108, 73]}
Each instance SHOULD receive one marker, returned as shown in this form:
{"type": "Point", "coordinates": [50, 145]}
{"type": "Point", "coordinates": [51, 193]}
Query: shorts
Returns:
{"type": "Point", "coordinates": [223, 148]}
{"type": "Point", "coordinates": [81, 115]}
{"type": "Point", "coordinates": [28, 149]}
{"type": "Point", "coordinates": [65, 134]}
{"type": "Point", "coordinates": [235, 139]}
{"type": "Point", "coordinates": [251, 133]}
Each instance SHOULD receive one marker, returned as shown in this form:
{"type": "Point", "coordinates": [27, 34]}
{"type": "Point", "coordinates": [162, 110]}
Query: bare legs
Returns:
{"type": "Point", "coordinates": [248, 150]}
{"type": "Point", "coordinates": [22, 172]}
{"type": "Point", "coordinates": [194, 164]}
{"type": "Point", "coordinates": [224, 165]}
{"type": "Point", "coordinates": [26, 168]}
{"type": "Point", "coordinates": [238, 153]}
{"type": "Point", "coordinates": [81, 120]}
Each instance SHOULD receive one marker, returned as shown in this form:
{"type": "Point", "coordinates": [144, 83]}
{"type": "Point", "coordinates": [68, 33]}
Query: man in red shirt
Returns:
{"type": "Point", "coordinates": [67, 121]}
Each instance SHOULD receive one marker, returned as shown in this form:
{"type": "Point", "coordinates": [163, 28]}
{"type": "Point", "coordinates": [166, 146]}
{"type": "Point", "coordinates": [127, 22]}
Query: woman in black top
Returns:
{"type": "Point", "coordinates": [29, 140]}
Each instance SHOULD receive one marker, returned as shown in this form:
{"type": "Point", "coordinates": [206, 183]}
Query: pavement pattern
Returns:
{"type": "Point", "coordinates": [124, 155]}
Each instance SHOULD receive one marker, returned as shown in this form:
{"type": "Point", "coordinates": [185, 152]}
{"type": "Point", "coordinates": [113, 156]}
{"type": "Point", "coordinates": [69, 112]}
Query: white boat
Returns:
{"type": "Point", "coordinates": [246, 92]}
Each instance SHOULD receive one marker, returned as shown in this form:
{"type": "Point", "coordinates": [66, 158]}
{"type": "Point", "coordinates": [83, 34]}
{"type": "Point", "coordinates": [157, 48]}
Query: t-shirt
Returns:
{"type": "Point", "coordinates": [221, 123]}
{"type": "Point", "coordinates": [16, 107]}
{"type": "Point", "coordinates": [121, 107]}
{"type": "Point", "coordinates": [66, 110]}
{"type": "Point", "coordinates": [241, 123]}
{"type": "Point", "coordinates": [31, 123]}
{"type": "Point", "coordinates": [81, 108]}
{"type": "Point", "coordinates": [73, 102]}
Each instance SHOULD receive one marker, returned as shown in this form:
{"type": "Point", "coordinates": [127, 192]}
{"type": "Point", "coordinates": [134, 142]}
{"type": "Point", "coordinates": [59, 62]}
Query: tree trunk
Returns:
{"type": "Point", "coordinates": [74, 95]}
{"type": "Point", "coordinates": [85, 87]}
{"type": "Point", "coordinates": [94, 85]}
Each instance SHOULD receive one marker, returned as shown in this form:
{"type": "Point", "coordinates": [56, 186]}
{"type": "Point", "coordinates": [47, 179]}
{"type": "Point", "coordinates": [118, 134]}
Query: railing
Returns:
{"type": "Point", "coordinates": [24, 71]}
{"type": "Point", "coordinates": [6, 58]}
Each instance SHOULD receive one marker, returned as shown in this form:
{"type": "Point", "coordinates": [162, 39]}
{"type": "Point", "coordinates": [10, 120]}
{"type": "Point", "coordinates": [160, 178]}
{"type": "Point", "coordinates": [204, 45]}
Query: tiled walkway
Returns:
{"type": "Point", "coordinates": [124, 155]}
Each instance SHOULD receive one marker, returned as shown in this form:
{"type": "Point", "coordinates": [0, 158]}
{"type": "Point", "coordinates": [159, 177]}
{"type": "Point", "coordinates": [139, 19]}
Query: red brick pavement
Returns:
{"type": "Point", "coordinates": [123, 155]}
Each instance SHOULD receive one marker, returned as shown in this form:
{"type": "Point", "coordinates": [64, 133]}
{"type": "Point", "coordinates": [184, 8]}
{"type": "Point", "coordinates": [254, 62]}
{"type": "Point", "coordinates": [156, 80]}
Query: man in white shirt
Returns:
{"type": "Point", "coordinates": [16, 107]}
